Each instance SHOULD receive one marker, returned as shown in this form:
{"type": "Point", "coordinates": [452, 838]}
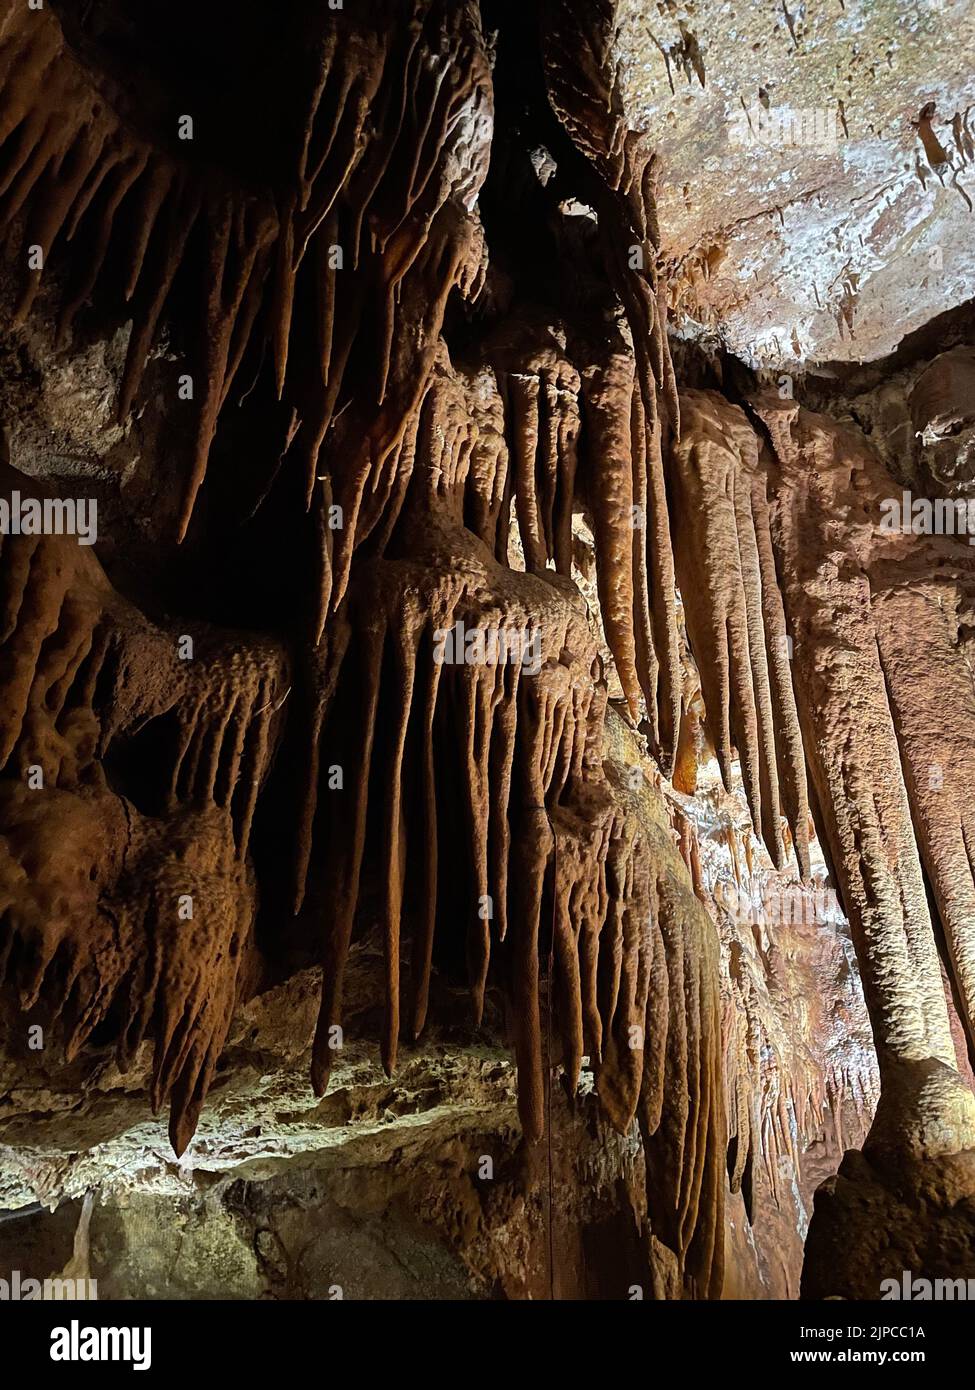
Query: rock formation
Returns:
{"type": "Point", "coordinates": [445, 653]}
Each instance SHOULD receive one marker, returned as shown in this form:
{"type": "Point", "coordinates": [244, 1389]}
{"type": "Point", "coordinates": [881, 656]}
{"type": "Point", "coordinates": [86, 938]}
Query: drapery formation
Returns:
{"type": "Point", "coordinates": [872, 623]}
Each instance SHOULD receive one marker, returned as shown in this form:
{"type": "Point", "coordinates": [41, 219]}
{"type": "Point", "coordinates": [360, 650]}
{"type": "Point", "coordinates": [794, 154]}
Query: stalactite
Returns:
{"type": "Point", "coordinates": [583, 88]}
{"type": "Point", "coordinates": [922, 618]}
{"type": "Point", "coordinates": [329, 275]}
{"type": "Point", "coordinates": [420, 251]}
{"type": "Point", "coordinates": [524, 726]}
{"type": "Point", "coordinates": [156, 937]}
{"type": "Point", "coordinates": [868, 815]}
{"type": "Point", "coordinates": [608, 394]}
{"type": "Point", "coordinates": [685, 1138]}
{"type": "Point", "coordinates": [54, 117]}
{"type": "Point", "coordinates": [855, 598]}
{"type": "Point", "coordinates": [734, 616]}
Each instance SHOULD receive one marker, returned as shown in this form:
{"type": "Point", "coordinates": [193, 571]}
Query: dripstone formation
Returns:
{"type": "Point", "coordinates": [425, 594]}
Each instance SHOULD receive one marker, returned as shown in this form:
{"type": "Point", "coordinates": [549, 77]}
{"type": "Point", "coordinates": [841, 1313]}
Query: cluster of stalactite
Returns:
{"type": "Point", "coordinates": [683, 1112]}
{"type": "Point", "coordinates": [736, 622]}
{"type": "Point", "coordinates": [471, 810]}
{"type": "Point", "coordinates": [515, 841]}
{"type": "Point", "coordinates": [381, 172]}
{"type": "Point", "coordinates": [386, 164]}
{"type": "Point", "coordinates": [639, 602]}
{"type": "Point", "coordinates": [567, 430]}
{"type": "Point", "coordinates": [461, 801]}
{"type": "Point", "coordinates": [134, 914]}
{"type": "Point", "coordinates": [794, 1080]}
{"type": "Point", "coordinates": [877, 681]}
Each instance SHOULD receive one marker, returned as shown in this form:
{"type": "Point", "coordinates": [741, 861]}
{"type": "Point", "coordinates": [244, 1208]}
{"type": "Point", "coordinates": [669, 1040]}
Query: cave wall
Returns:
{"type": "Point", "coordinates": [379, 373]}
{"type": "Point", "coordinates": [381, 1186]}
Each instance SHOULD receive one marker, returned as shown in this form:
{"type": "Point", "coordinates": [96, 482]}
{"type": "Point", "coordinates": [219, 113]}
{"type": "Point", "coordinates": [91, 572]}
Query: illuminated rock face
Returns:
{"type": "Point", "coordinates": [455, 706]}
{"type": "Point", "coordinates": [817, 170]}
